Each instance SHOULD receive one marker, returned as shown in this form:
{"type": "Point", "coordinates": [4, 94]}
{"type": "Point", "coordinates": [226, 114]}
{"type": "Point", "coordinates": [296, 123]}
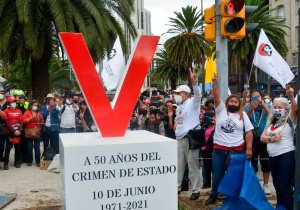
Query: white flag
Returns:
{"type": "Point", "coordinates": [113, 67]}
{"type": "Point", "coordinates": [269, 60]}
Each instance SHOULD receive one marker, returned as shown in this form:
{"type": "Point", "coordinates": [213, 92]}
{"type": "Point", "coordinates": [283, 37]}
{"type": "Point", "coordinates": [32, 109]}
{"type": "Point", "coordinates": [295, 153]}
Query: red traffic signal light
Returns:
{"type": "Point", "coordinates": [233, 24]}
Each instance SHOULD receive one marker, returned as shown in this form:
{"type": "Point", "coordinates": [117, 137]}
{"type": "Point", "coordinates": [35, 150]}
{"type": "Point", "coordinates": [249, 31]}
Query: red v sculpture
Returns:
{"type": "Point", "coordinates": [112, 122]}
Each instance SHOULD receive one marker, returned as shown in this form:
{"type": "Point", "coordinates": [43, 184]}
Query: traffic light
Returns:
{"type": "Point", "coordinates": [233, 24]}
{"type": "Point", "coordinates": [233, 19]}
{"type": "Point", "coordinates": [210, 27]}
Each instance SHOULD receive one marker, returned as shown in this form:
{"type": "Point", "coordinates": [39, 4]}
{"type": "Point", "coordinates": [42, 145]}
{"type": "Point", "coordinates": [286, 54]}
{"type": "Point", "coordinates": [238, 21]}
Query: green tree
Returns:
{"type": "Point", "coordinates": [188, 45]}
{"type": "Point", "coordinates": [29, 30]}
{"type": "Point", "coordinates": [241, 52]}
{"type": "Point", "coordinates": [167, 70]}
{"type": "Point", "coordinates": [60, 76]}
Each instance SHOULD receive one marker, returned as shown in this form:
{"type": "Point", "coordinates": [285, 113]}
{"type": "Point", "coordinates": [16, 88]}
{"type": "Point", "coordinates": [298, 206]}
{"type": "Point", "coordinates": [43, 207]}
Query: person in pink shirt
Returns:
{"type": "Point", "coordinates": [208, 124]}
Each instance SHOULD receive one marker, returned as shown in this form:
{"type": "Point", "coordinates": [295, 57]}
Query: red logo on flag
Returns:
{"type": "Point", "coordinates": [111, 121]}
{"type": "Point", "coordinates": [265, 50]}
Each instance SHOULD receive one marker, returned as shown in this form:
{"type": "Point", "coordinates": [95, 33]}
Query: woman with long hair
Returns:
{"type": "Point", "coordinates": [279, 137]}
{"type": "Point", "coordinates": [233, 133]}
{"type": "Point", "coordinates": [33, 121]}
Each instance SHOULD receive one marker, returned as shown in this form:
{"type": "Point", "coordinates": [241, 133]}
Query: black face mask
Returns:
{"type": "Point", "coordinates": [144, 112]}
{"type": "Point", "coordinates": [207, 120]}
{"type": "Point", "coordinates": [232, 108]}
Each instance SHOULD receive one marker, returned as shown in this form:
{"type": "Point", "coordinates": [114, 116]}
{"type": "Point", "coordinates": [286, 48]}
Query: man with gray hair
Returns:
{"type": "Point", "coordinates": [187, 118]}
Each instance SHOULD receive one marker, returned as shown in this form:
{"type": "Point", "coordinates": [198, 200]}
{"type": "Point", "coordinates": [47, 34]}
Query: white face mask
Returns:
{"type": "Point", "coordinates": [13, 105]}
{"type": "Point", "coordinates": [178, 99]}
{"type": "Point", "coordinates": [267, 101]}
{"type": "Point", "coordinates": [68, 101]}
{"type": "Point", "coordinates": [1, 96]}
{"type": "Point", "coordinates": [94, 128]}
{"type": "Point", "coordinates": [34, 108]}
{"type": "Point", "coordinates": [278, 113]}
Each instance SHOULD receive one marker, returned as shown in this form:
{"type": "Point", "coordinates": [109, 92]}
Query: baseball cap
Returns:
{"type": "Point", "coordinates": [183, 88]}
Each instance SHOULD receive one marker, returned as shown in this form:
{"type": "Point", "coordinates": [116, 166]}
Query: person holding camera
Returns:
{"type": "Point", "coordinates": [187, 118]}
{"type": "Point", "coordinates": [50, 112]}
{"type": "Point", "coordinates": [258, 112]}
{"type": "Point", "coordinates": [68, 115]}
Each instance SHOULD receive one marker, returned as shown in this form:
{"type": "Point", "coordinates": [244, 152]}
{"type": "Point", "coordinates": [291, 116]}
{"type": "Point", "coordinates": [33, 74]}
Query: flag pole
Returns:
{"type": "Point", "coordinates": [250, 73]}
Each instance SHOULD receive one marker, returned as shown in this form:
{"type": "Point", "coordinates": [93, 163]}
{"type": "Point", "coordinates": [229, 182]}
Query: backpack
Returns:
{"type": "Point", "coordinates": [289, 121]}
{"type": "Point", "coordinates": [62, 111]}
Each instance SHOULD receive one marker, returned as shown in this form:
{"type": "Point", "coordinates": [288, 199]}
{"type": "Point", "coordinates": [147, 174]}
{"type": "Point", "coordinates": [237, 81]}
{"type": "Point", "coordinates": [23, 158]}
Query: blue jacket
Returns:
{"type": "Point", "coordinates": [54, 120]}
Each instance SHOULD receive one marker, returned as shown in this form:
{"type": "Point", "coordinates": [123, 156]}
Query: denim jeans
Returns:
{"type": "Point", "coordinates": [33, 143]}
{"type": "Point", "coordinates": [282, 169]}
{"type": "Point", "coordinates": [219, 158]}
{"type": "Point", "coordinates": [206, 168]}
{"type": "Point", "coordinates": [53, 137]}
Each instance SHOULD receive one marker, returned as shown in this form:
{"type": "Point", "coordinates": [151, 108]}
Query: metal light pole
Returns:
{"type": "Point", "coordinates": [297, 154]}
{"type": "Point", "coordinates": [221, 54]}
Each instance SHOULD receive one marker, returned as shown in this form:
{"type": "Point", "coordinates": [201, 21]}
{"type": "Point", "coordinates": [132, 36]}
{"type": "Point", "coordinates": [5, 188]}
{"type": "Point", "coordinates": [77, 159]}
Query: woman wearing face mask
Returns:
{"type": "Point", "coordinates": [14, 128]}
{"type": "Point", "coordinates": [232, 124]}
{"type": "Point", "coordinates": [278, 135]}
{"type": "Point", "coordinates": [33, 121]}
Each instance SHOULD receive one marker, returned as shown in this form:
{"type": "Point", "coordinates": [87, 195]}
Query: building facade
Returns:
{"type": "Point", "coordinates": [288, 10]}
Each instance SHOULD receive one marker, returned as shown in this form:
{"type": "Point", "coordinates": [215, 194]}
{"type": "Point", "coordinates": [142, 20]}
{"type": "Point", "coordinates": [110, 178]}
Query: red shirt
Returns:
{"type": "Point", "coordinates": [33, 122]}
{"type": "Point", "coordinates": [13, 117]}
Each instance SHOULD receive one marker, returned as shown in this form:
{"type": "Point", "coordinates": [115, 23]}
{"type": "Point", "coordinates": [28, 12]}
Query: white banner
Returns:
{"type": "Point", "coordinates": [270, 61]}
{"type": "Point", "coordinates": [113, 67]}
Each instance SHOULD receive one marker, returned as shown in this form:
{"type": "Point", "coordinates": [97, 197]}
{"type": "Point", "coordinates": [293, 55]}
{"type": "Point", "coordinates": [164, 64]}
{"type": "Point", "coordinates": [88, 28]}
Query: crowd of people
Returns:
{"type": "Point", "coordinates": [25, 124]}
{"type": "Point", "coordinates": [252, 124]}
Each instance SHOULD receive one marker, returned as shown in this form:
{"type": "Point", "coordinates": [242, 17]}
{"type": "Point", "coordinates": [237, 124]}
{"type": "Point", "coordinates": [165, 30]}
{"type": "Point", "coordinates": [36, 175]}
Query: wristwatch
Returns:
{"type": "Point", "coordinates": [269, 139]}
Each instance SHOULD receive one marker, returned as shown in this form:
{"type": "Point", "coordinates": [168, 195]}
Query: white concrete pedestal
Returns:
{"type": "Point", "coordinates": [137, 171]}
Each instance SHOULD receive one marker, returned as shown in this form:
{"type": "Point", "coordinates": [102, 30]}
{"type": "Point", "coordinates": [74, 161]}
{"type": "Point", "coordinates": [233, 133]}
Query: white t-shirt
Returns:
{"type": "Point", "coordinates": [229, 131]}
{"type": "Point", "coordinates": [187, 114]}
{"type": "Point", "coordinates": [68, 117]}
{"type": "Point", "coordinates": [286, 143]}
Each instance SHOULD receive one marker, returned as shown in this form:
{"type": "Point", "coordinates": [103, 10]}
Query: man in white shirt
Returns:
{"type": "Point", "coordinates": [67, 116]}
{"type": "Point", "coordinates": [187, 118]}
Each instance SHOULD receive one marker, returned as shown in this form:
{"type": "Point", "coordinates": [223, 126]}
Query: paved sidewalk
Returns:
{"type": "Point", "coordinates": [35, 188]}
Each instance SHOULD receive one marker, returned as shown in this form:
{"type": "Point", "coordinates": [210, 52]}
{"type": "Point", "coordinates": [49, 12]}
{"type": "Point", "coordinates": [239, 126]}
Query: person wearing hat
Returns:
{"type": "Point", "coordinates": [50, 112]}
{"type": "Point", "coordinates": [187, 118]}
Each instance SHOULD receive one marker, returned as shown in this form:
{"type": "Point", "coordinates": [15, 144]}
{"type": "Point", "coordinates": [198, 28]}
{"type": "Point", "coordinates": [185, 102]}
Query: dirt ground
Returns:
{"type": "Point", "coordinates": [184, 199]}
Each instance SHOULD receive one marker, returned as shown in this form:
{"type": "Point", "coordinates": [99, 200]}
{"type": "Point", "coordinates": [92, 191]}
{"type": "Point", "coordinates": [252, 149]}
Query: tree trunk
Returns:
{"type": "Point", "coordinates": [40, 75]}
{"type": "Point", "coordinates": [173, 84]}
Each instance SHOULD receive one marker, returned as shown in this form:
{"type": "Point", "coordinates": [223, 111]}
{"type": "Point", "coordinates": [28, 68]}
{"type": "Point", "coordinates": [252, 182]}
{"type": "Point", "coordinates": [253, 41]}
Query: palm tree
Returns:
{"type": "Point", "coordinates": [241, 52]}
{"type": "Point", "coordinates": [167, 70]}
{"type": "Point", "coordinates": [29, 30]}
{"type": "Point", "coordinates": [188, 45]}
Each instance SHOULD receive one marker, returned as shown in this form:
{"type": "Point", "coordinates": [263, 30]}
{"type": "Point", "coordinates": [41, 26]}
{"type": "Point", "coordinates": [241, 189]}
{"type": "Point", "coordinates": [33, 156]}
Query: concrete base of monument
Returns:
{"type": "Point", "coordinates": [137, 171]}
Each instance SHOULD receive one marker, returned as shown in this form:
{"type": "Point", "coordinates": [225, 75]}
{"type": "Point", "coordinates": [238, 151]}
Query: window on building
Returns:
{"type": "Point", "coordinates": [295, 58]}
{"type": "Point", "coordinates": [280, 11]}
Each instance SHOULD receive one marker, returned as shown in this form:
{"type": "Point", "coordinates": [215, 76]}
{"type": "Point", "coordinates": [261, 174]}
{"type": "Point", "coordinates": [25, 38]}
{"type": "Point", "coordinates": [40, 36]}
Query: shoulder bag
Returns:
{"type": "Point", "coordinates": [196, 138]}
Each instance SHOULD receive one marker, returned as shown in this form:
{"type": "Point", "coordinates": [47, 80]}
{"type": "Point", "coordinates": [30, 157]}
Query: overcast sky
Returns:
{"type": "Point", "coordinates": [161, 10]}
